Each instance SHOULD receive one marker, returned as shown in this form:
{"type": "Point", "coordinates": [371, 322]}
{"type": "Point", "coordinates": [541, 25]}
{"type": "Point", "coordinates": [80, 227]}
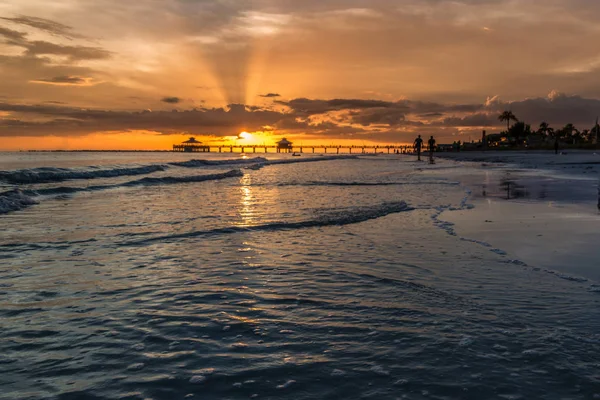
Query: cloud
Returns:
{"type": "Point", "coordinates": [71, 121]}
{"type": "Point", "coordinates": [12, 37]}
{"type": "Point", "coordinates": [335, 50]}
{"type": "Point", "coordinates": [171, 100]}
{"type": "Point", "coordinates": [72, 53]}
{"type": "Point", "coordinates": [37, 48]}
{"type": "Point", "coordinates": [46, 25]}
{"type": "Point", "coordinates": [338, 118]}
{"type": "Point", "coordinates": [308, 106]}
{"type": "Point", "coordinates": [65, 80]}
{"type": "Point", "coordinates": [379, 116]}
{"type": "Point", "coordinates": [474, 120]}
{"type": "Point", "coordinates": [312, 107]}
{"type": "Point", "coordinates": [558, 109]}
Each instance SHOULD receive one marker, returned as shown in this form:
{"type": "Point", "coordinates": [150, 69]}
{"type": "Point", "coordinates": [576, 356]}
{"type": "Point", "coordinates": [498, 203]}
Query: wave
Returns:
{"type": "Point", "coordinates": [148, 181]}
{"type": "Point", "coordinates": [53, 174]}
{"type": "Point", "coordinates": [169, 180]}
{"type": "Point", "coordinates": [338, 217]}
{"type": "Point", "coordinates": [50, 174]}
{"type": "Point", "coordinates": [257, 161]}
{"type": "Point", "coordinates": [355, 183]}
{"type": "Point", "coordinates": [203, 163]}
{"type": "Point", "coordinates": [310, 159]}
{"type": "Point", "coordinates": [14, 200]}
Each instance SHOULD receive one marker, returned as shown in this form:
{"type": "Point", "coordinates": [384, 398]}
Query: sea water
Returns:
{"type": "Point", "coordinates": [175, 276]}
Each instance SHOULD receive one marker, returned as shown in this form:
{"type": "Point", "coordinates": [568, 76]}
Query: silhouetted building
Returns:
{"type": "Point", "coordinates": [191, 145]}
{"type": "Point", "coordinates": [284, 145]}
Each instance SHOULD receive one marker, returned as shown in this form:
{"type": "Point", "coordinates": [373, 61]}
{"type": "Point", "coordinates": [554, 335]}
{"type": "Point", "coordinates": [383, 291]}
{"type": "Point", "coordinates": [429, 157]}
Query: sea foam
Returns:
{"type": "Point", "coordinates": [50, 174]}
{"type": "Point", "coordinates": [14, 200]}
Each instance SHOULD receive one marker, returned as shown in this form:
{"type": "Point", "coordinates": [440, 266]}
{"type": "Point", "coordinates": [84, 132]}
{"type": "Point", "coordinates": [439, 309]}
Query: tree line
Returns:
{"type": "Point", "coordinates": [568, 134]}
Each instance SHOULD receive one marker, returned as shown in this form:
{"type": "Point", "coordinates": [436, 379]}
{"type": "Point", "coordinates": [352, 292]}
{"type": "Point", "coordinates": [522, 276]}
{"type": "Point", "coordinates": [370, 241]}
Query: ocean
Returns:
{"type": "Point", "coordinates": [229, 276]}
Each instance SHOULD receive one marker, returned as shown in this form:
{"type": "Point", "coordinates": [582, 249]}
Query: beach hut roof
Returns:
{"type": "Point", "coordinates": [284, 141]}
{"type": "Point", "coordinates": [192, 140]}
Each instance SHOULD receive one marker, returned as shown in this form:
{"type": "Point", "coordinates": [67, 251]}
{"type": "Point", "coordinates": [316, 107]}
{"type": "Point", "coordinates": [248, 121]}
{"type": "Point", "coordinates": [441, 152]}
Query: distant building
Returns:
{"type": "Point", "coordinates": [284, 146]}
{"type": "Point", "coordinates": [191, 145]}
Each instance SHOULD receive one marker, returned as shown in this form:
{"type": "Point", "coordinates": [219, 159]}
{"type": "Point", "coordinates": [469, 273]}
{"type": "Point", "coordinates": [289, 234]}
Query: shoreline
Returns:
{"type": "Point", "coordinates": [549, 221]}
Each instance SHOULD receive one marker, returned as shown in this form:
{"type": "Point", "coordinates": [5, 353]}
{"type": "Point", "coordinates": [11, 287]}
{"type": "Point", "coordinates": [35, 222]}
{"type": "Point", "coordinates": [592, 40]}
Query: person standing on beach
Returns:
{"type": "Point", "coordinates": [431, 143]}
{"type": "Point", "coordinates": [418, 144]}
{"type": "Point", "coordinates": [556, 146]}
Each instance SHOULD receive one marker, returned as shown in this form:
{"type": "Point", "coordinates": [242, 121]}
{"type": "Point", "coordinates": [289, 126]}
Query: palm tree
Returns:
{"type": "Point", "coordinates": [507, 116]}
{"type": "Point", "coordinates": [545, 130]}
{"type": "Point", "coordinates": [570, 133]}
{"type": "Point", "coordinates": [586, 135]}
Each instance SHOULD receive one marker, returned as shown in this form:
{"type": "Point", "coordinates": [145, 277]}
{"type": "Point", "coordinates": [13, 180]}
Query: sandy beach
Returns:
{"type": "Point", "coordinates": [539, 207]}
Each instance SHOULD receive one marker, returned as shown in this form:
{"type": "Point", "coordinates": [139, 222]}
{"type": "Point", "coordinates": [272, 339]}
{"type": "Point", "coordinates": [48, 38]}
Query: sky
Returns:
{"type": "Point", "coordinates": [114, 74]}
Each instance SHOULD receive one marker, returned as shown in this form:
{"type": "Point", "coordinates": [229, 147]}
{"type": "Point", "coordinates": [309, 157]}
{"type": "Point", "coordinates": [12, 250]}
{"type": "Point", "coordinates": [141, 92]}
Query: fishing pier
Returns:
{"type": "Point", "coordinates": [329, 149]}
{"type": "Point", "coordinates": [285, 146]}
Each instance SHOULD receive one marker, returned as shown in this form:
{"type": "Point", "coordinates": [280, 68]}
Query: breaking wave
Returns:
{"type": "Point", "coordinates": [169, 180]}
{"type": "Point", "coordinates": [148, 181]}
{"type": "Point", "coordinates": [49, 174]}
{"type": "Point", "coordinates": [204, 163]}
{"type": "Point", "coordinates": [257, 161]}
{"type": "Point", "coordinates": [337, 217]}
{"type": "Point", "coordinates": [52, 174]}
{"type": "Point", "coordinates": [14, 200]}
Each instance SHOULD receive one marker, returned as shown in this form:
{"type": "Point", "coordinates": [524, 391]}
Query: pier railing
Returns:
{"type": "Point", "coordinates": [326, 149]}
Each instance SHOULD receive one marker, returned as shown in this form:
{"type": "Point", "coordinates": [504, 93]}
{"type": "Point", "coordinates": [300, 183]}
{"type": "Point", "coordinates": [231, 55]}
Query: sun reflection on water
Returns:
{"type": "Point", "coordinates": [247, 199]}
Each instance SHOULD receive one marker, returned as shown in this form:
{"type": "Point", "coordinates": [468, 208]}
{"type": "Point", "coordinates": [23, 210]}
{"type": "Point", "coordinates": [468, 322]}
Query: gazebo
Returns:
{"type": "Point", "coordinates": [284, 145]}
{"type": "Point", "coordinates": [191, 145]}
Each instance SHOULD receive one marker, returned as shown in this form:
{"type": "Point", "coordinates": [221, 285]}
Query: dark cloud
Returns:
{"type": "Point", "coordinates": [12, 37]}
{"type": "Point", "coordinates": [422, 107]}
{"type": "Point", "coordinates": [557, 109]}
{"type": "Point", "coordinates": [70, 121]}
{"type": "Point", "coordinates": [340, 118]}
{"type": "Point", "coordinates": [378, 116]}
{"type": "Point", "coordinates": [270, 95]}
{"type": "Point", "coordinates": [171, 100]}
{"type": "Point", "coordinates": [473, 120]}
{"type": "Point", "coordinates": [52, 27]}
{"type": "Point", "coordinates": [38, 48]}
{"type": "Point", "coordinates": [313, 107]}
{"type": "Point", "coordinates": [72, 53]}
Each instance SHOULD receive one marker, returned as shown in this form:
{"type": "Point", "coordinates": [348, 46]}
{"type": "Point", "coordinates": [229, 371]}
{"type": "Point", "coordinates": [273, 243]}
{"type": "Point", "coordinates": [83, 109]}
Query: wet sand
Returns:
{"type": "Point", "coordinates": [537, 206]}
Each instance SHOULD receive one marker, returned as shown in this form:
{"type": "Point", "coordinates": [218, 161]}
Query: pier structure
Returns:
{"type": "Point", "coordinates": [284, 145]}
{"type": "Point", "coordinates": [191, 146]}
{"type": "Point", "coordinates": [325, 149]}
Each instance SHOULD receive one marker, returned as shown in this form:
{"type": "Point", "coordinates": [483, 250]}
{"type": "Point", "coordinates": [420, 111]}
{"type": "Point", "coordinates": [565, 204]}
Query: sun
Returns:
{"type": "Point", "coordinates": [245, 135]}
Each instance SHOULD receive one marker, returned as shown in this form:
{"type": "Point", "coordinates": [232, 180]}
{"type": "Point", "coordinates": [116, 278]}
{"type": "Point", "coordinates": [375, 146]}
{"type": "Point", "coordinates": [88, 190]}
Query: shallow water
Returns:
{"type": "Point", "coordinates": [332, 279]}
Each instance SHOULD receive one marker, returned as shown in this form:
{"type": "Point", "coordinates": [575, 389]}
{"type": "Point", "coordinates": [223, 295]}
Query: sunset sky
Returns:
{"type": "Point", "coordinates": [116, 74]}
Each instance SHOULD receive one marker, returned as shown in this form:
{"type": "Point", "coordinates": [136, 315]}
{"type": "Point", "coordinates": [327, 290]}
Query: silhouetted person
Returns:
{"type": "Point", "coordinates": [431, 143]}
{"type": "Point", "coordinates": [418, 144]}
{"type": "Point", "coordinates": [555, 146]}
